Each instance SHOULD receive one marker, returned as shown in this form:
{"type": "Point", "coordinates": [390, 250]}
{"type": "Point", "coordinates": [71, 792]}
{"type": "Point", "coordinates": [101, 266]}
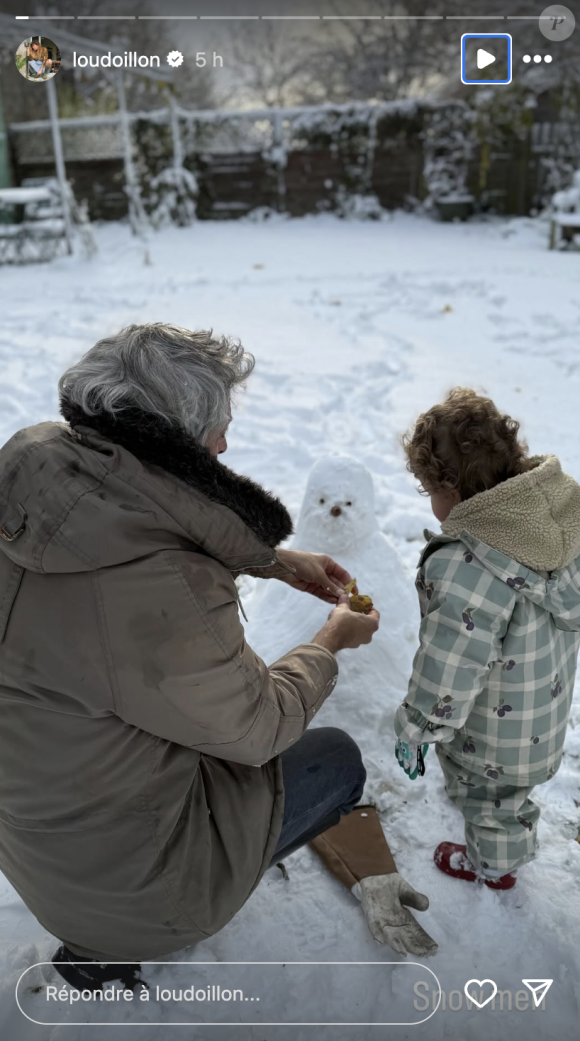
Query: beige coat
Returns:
{"type": "Point", "coordinates": [141, 792]}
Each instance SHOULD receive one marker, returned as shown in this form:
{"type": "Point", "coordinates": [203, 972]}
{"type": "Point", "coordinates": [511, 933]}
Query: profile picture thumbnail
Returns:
{"type": "Point", "coordinates": [38, 58]}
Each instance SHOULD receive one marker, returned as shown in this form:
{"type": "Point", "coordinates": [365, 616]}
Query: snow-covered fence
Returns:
{"type": "Point", "coordinates": [557, 146]}
{"type": "Point", "coordinates": [227, 163]}
{"type": "Point", "coordinates": [348, 158]}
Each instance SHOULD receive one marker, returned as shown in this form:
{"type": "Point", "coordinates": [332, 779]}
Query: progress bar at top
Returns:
{"type": "Point", "coordinates": [281, 17]}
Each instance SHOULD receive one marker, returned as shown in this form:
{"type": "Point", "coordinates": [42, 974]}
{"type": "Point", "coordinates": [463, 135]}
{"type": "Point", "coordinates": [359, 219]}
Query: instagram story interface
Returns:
{"type": "Point", "coordinates": [290, 518]}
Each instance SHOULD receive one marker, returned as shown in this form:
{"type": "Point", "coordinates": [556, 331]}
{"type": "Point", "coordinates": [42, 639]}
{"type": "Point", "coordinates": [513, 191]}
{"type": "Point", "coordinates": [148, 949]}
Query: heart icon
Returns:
{"type": "Point", "coordinates": [480, 984]}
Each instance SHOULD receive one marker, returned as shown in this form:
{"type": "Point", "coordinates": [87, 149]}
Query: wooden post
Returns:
{"type": "Point", "coordinates": [553, 226]}
{"type": "Point", "coordinates": [371, 150]}
{"type": "Point", "coordinates": [175, 135]}
{"type": "Point", "coordinates": [278, 142]}
{"type": "Point", "coordinates": [59, 161]}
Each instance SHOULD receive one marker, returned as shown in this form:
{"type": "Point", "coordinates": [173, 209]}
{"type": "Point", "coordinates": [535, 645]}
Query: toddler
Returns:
{"type": "Point", "coordinates": [499, 589]}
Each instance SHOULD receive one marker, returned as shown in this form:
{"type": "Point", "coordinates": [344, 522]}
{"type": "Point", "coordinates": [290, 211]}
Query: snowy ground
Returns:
{"type": "Point", "coordinates": [356, 327]}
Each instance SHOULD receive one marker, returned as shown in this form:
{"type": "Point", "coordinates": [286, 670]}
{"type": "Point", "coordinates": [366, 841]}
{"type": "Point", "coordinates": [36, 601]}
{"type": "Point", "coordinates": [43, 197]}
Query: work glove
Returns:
{"type": "Point", "coordinates": [358, 854]}
{"type": "Point", "coordinates": [385, 901]}
{"type": "Point", "coordinates": [411, 757]}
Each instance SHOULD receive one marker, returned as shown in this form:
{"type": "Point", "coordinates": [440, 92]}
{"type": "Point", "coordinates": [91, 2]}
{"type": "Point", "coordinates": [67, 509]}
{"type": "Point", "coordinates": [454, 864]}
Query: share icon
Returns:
{"type": "Point", "coordinates": [539, 989]}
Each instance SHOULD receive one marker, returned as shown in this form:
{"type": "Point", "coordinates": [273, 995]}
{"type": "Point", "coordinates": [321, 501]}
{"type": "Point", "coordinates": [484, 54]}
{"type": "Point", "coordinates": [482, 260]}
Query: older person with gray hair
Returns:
{"type": "Point", "coordinates": [151, 764]}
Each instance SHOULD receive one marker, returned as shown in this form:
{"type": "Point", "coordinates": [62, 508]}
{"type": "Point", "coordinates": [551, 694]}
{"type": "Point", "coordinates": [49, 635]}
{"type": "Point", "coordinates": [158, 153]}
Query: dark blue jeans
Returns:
{"type": "Point", "coordinates": [324, 778]}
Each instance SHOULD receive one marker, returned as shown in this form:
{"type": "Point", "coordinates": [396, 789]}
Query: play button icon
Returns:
{"type": "Point", "coordinates": [484, 58]}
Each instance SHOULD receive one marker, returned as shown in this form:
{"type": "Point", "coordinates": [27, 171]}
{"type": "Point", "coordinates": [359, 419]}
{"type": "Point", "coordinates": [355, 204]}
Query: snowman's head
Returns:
{"type": "Point", "coordinates": [338, 507]}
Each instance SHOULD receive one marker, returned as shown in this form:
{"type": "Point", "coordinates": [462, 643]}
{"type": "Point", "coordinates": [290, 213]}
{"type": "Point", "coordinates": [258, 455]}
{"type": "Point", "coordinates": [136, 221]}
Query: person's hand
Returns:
{"type": "Point", "coordinates": [411, 757]}
{"type": "Point", "coordinates": [315, 573]}
{"type": "Point", "coordinates": [385, 901]}
{"type": "Point", "coordinates": [346, 628]}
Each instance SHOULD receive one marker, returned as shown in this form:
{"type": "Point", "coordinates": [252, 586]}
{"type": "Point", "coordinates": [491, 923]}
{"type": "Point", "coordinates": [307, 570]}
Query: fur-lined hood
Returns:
{"type": "Point", "coordinates": [533, 518]}
{"type": "Point", "coordinates": [100, 492]}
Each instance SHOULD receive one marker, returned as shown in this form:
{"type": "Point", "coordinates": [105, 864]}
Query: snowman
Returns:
{"type": "Point", "coordinates": [337, 517]}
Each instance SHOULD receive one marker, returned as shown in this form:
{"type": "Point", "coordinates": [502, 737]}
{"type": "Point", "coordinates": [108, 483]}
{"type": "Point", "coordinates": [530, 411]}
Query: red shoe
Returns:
{"type": "Point", "coordinates": [452, 859]}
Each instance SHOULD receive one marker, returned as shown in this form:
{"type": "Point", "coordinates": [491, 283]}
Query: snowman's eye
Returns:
{"type": "Point", "coordinates": [322, 501]}
{"type": "Point", "coordinates": [349, 503]}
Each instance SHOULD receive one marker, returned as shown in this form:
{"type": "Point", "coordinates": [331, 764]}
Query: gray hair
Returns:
{"type": "Point", "coordinates": [187, 378]}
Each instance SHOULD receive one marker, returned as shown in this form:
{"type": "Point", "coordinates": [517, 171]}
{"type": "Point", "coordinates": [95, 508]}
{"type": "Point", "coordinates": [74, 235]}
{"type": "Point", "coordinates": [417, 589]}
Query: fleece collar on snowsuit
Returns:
{"type": "Point", "coordinates": [533, 518]}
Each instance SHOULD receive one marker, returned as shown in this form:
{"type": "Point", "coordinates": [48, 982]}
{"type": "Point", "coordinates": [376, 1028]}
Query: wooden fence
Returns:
{"type": "Point", "coordinates": [298, 161]}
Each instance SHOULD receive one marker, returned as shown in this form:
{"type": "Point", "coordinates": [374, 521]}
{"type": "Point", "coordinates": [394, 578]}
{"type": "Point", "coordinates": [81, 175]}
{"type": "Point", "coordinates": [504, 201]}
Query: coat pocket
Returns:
{"type": "Point", "coordinates": [8, 590]}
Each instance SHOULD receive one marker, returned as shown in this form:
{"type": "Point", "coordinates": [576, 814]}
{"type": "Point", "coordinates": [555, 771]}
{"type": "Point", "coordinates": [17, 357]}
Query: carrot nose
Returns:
{"type": "Point", "coordinates": [336, 511]}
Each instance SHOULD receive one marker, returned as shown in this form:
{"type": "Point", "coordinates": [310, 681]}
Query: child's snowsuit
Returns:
{"type": "Point", "coordinates": [493, 678]}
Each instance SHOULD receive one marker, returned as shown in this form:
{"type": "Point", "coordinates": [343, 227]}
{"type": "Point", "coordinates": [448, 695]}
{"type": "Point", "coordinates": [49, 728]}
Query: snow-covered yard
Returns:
{"type": "Point", "coordinates": [356, 328]}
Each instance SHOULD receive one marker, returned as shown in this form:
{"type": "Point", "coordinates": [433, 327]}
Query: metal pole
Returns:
{"type": "Point", "coordinates": [136, 212]}
{"type": "Point", "coordinates": [59, 161]}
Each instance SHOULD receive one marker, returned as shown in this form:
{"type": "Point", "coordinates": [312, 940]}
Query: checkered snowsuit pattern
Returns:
{"type": "Point", "coordinates": [492, 684]}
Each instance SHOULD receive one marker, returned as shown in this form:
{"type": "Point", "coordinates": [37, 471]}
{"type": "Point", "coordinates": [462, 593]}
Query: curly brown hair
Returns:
{"type": "Point", "coordinates": [464, 445]}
